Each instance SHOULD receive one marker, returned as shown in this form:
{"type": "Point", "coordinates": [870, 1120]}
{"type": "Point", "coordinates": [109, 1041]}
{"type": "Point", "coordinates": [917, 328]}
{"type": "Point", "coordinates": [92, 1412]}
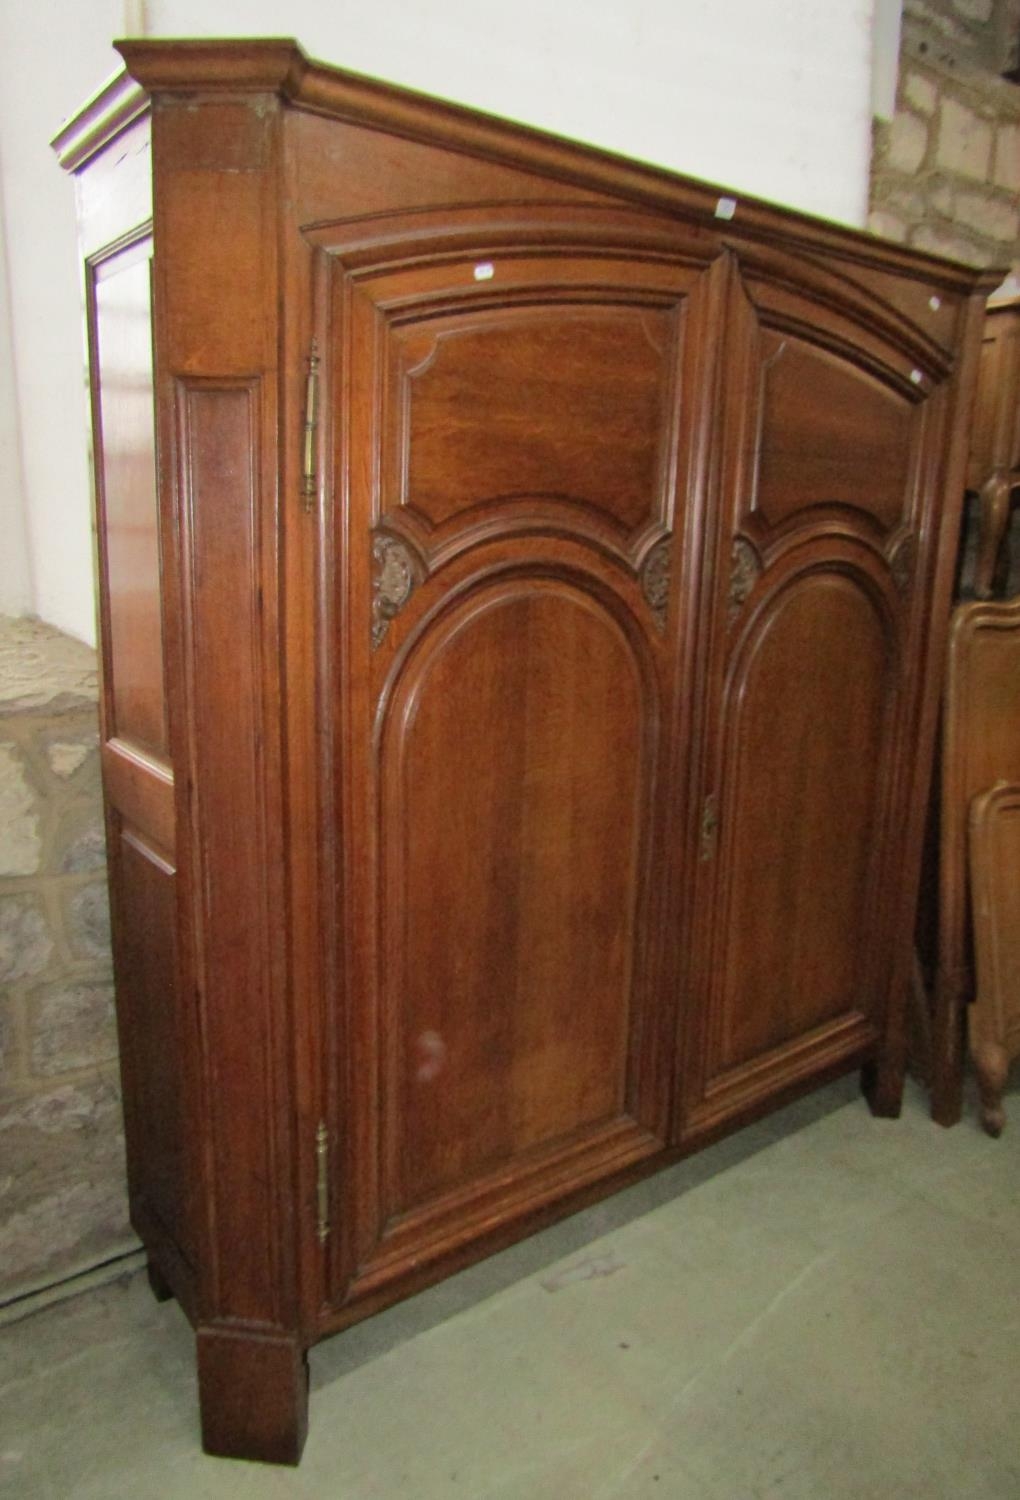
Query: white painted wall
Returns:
{"type": "Point", "coordinates": [15, 572]}
{"type": "Point", "coordinates": [53, 54]}
{"type": "Point", "coordinates": [767, 97]}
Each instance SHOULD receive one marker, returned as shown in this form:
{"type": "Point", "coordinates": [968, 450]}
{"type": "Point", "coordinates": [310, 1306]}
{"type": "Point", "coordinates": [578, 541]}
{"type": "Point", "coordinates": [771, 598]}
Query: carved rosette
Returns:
{"type": "Point", "coordinates": [655, 574]}
{"type": "Point", "coordinates": [745, 570]}
{"type": "Point", "coordinates": [393, 582]}
{"type": "Point", "coordinates": [901, 564]}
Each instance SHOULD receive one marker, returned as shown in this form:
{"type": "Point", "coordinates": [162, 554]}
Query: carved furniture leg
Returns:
{"type": "Point", "coordinates": [994, 499]}
{"type": "Point", "coordinates": [991, 1064]}
{"type": "Point", "coordinates": [158, 1284]}
{"type": "Point", "coordinates": [883, 1076]}
{"type": "Point", "coordinates": [253, 1392]}
{"type": "Point", "coordinates": [882, 1086]}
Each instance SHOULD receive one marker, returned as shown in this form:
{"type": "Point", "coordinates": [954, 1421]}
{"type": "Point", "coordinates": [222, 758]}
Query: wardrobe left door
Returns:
{"type": "Point", "coordinates": [512, 407]}
{"type": "Point", "coordinates": [137, 773]}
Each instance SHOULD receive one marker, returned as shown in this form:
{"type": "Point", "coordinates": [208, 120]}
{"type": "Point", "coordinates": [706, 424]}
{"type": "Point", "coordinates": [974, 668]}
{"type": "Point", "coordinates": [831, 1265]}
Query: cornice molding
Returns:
{"type": "Point", "coordinates": [279, 66]}
{"type": "Point", "coordinates": [111, 109]}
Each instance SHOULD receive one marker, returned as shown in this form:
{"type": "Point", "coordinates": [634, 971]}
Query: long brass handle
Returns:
{"type": "Point", "coordinates": [308, 478]}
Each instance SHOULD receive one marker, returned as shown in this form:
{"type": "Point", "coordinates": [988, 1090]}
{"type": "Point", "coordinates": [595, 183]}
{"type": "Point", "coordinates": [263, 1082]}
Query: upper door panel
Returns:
{"type": "Point", "coordinates": [528, 365]}
{"type": "Point", "coordinates": [567, 404]}
{"type": "Point", "coordinates": [829, 415]}
{"type": "Point", "coordinates": [830, 434]}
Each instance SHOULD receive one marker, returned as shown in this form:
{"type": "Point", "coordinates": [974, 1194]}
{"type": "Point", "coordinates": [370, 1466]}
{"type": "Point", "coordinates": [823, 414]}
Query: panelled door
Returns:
{"type": "Point", "coordinates": [823, 555]}
{"type": "Point", "coordinates": [514, 394]}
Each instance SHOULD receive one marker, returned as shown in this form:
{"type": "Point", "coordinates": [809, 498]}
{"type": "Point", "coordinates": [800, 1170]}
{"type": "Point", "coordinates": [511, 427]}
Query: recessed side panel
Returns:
{"type": "Point", "coordinates": [155, 1039]}
{"type": "Point", "coordinates": [515, 769]}
{"type": "Point", "coordinates": [129, 523]}
{"type": "Point", "coordinates": [138, 780]}
{"type": "Point", "coordinates": [805, 713]}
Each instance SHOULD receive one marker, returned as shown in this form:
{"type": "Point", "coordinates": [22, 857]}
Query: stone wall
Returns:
{"type": "Point", "coordinates": [62, 1198]}
{"type": "Point", "coordinates": [946, 169]}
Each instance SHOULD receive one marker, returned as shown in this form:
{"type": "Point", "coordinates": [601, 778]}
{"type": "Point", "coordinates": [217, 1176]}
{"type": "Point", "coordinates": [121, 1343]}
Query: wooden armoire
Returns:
{"type": "Point", "coordinates": [522, 625]}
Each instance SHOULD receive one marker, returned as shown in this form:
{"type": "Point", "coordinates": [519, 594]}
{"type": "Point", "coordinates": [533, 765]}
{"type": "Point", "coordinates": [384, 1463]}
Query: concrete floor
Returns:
{"type": "Point", "coordinates": [825, 1305]}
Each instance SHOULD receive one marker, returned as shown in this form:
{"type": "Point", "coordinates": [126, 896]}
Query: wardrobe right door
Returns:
{"type": "Point", "coordinates": [822, 555]}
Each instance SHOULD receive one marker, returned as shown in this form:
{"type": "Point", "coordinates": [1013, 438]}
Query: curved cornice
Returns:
{"type": "Point", "coordinates": [105, 115]}
{"type": "Point", "coordinates": [280, 67]}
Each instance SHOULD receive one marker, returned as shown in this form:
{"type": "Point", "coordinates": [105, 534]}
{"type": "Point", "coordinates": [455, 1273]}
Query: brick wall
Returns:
{"type": "Point", "coordinates": [62, 1196]}
{"type": "Point", "coordinates": [946, 168]}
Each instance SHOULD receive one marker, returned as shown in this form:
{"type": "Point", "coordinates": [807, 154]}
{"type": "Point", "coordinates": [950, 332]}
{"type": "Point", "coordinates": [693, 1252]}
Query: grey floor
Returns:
{"type": "Point", "coordinates": [825, 1305]}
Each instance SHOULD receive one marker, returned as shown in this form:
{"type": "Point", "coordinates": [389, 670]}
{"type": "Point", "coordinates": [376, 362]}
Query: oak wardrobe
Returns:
{"type": "Point", "coordinates": [522, 624]}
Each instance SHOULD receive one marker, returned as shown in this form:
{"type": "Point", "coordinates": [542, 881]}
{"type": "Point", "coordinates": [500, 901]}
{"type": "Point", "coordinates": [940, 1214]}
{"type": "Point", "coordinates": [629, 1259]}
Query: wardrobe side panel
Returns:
{"type": "Point", "coordinates": [115, 212]}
